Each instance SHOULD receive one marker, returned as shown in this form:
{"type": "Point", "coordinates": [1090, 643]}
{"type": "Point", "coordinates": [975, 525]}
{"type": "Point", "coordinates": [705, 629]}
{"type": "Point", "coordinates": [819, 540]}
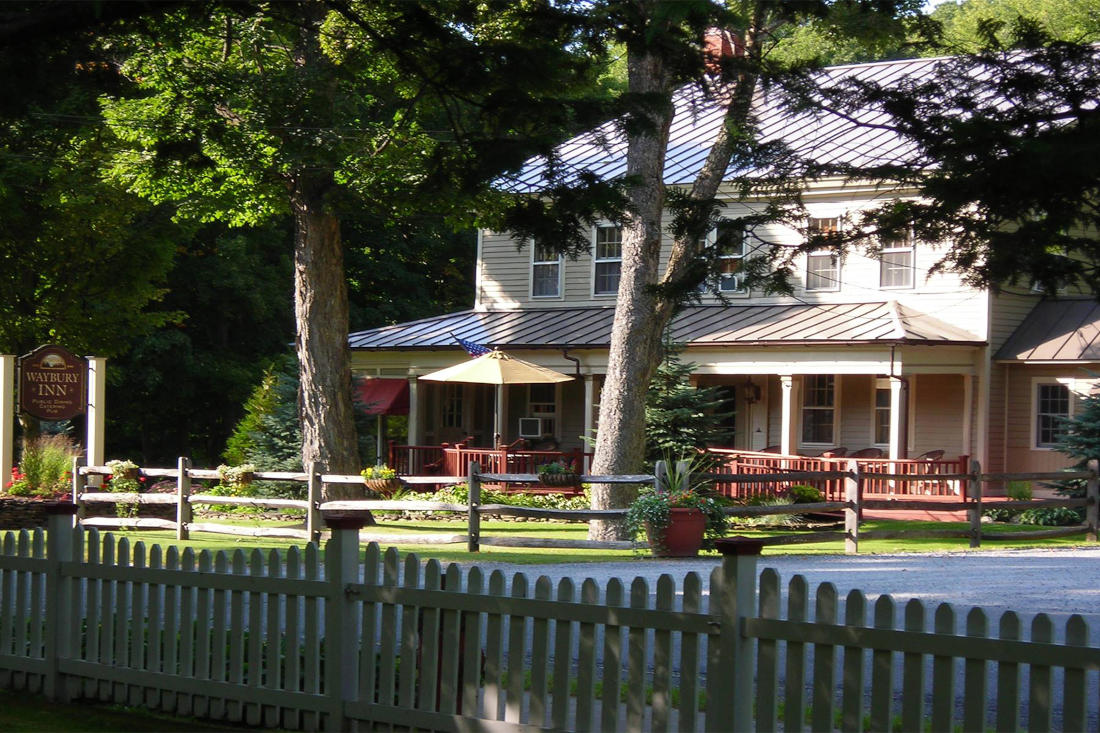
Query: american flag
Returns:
{"type": "Point", "coordinates": [472, 349]}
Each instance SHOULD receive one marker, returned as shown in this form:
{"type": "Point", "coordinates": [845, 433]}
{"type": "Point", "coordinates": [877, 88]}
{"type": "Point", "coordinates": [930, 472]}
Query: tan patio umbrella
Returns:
{"type": "Point", "coordinates": [497, 368]}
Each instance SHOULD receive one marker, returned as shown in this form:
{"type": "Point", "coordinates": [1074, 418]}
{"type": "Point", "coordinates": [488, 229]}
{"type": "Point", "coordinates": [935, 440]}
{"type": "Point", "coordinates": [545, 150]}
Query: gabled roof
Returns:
{"type": "Point", "coordinates": [734, 325]}
{"type": "Point", "coordinates": [821, 136]}
{"type": "Point", "coordinates": [1056, 330]}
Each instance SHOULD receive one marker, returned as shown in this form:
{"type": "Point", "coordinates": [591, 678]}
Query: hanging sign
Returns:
{"type": "Point", "coordinates": [53, 383]}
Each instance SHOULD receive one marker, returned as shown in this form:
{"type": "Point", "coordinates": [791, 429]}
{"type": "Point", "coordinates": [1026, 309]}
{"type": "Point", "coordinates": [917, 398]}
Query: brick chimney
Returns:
{"type": "Point", "coordinates": [719, 44]}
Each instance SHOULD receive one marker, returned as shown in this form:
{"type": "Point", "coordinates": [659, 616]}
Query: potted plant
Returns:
{"type": "Point", "coordinates": [678, 521]}
{"type": "Point", "coordinates": [235, 478]}
{"type": "Point", "coordinates": [381, 479]}
{"type": "Point", "coordinates": [558, 474]}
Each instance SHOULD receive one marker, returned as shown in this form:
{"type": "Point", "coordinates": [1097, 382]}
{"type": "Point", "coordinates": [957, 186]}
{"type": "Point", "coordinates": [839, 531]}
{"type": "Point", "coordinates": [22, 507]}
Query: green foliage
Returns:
{"type": "Point", "coordinates": [460, 494]}
{"type": "Point", "coordinates": [45, 468]}
{"type": "Point", "coordinates": [269, 435]}
{"type": "Point", "coordinates": [122, 481]}
{"type": "Point", "coordinates": [771, 520]}
{"type": "Point", "coordinates": [1058, 516]}
{"type": "Point", "coordinates": [556, 468]}
{"type": "Point", "coordinates": [803, 494]}
{"type": "Point", "coordinates": [680, 418]}
{"type": "Point", "coordinates": [967, 25]}
{"type": "Point", "coordinates": [1014, 491]}
{"type": "Point", "coordinates": [236, 480]}
{"type": "Point", "coordinates": [1010, 184]}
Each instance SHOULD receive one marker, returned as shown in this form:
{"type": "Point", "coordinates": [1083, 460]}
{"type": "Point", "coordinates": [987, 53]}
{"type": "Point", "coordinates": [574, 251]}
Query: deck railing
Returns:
{"type": "Point", "coordinates": [922, 477]}
{"type": "Point", "coordinates": [456, 459]}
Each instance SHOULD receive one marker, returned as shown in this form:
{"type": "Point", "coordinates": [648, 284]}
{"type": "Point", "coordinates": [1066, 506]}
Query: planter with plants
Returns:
{"type": "Point", "coordinates": [676, 523]}
{"type": "Point", "coordinates": [124, 479]}
{"type": "Point", "coordinates": [381, 479]}
{"type": "Point", "coordinates": [235, 480]}
{"type": "Point", "coordinates": [558, 474]}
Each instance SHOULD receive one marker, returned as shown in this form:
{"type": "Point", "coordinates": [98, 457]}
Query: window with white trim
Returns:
{"type": "Point", "coordinates": [608, 260]}
{"type": "Point", "coordinates": [545, 272]}
{"type": "Point", "coordinates": [823, 264]}
{"type": "Point", "coordinates": [1052, 409]}
{"type": "Point", "coordinates": [818, 409]}
{"type": "Point", "coordinates": [896, 268]}
{"type": "Point", "coordinates": [542, 402]}
{"type": "Point", "coordinates": [882, 412]}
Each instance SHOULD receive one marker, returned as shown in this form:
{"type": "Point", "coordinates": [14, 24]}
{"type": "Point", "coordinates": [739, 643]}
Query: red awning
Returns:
{"type": "Point", "coordinates": [378, 396]}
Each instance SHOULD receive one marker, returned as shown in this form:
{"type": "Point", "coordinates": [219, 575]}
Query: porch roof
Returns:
{"type": "Point", "coordinates": [734, 325]}
{"type": "Point", "coordinates": [1056, 330]}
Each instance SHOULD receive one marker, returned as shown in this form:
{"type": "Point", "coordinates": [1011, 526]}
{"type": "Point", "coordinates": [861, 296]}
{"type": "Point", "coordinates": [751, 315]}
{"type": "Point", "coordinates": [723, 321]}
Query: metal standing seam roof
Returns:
{"type": "Point", "coordinates": [822, 136]}
{"type": "Point", "coordinates": [734, 325]}
{"type": "Point", "coordinates": [1056, 330]}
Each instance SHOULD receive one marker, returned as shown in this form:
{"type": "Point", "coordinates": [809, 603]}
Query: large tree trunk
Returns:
{"type": "Point", "coordinates": [641, 316]}
{"type": "Point", "coordinates": [635, 335]}
{"type": "Point", "coordinates": [321, 311]}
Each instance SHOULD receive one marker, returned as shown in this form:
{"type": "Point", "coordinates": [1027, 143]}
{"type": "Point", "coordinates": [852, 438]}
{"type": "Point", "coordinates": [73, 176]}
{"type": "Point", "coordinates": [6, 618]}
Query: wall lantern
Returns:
{"type": "Point", "coordinates": [752, 392]}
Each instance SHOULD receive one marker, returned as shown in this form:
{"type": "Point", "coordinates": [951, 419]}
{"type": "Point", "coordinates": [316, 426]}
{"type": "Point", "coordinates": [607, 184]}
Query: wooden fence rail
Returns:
{"type": "Point", "coordinates": [302, 642]}
{"type": "Point", "coordinates": [851, 507]}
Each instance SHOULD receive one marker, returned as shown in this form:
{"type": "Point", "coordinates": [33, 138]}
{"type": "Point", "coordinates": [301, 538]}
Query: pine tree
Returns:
{"type": "Point", "coordinates": [682, 419]}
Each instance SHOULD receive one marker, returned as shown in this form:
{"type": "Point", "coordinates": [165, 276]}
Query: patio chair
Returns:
{"type": "Point", "coordinates": [867, 453]}
{"type": "Point", "coordinates": [772, 449]}
{"type": "Point", "coordinates": [838, 452]}
{"type": "Point", "coordinates": [931, 484]}
{"type": "Point", "coordinates": [932, 455]}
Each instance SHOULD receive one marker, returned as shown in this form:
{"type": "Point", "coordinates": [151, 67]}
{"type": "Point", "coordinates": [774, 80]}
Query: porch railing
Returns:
{"type": "Point", "coordinates": [455, 460]}
{"type": "Point", "coordinates": [925, 474]}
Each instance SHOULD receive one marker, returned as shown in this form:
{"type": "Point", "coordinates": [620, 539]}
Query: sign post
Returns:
{"type": "Point", "coordinates": [97, 412]}
{"type": "Point", "coordinates": [7, 416]}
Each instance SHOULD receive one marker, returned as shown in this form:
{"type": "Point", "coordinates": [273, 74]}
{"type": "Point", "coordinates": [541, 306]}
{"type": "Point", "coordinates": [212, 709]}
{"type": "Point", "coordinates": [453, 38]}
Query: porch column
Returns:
{"type": "Point", "coordinates": [968, 411]}
{"type": "Point", "coordinates": [7, 416]}
{"type": "Point", "coordinates": [499, 416]}
{"type": "Point", "coordinates": [786, 430]}
{"type": "Point", "coordinates": [589, 408]}
{"type": "Point", "coordinates": [414, 412]}
{"type": "Point", "coordinates": [898, 417]}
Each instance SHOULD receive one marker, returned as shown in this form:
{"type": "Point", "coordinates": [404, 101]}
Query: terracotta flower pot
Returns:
{"type": "Point", "coordinates": [559, 480]}
{"type": "Point", "coordinates": [383, 486]}
{"type": "Point", "coordinates": [682, 537]}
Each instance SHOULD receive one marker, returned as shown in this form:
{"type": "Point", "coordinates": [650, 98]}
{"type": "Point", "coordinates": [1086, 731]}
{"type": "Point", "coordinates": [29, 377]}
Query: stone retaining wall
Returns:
{"type": "Point", "coordinates": [17, 512]}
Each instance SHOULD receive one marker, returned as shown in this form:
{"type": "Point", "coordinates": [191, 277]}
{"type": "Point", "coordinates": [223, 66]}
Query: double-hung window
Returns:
{"type": "Point", "coordinates": [608, 260]}
{"type": "Point", "coordinates": [882, 412]}
{"type": "Point", "coordinates": [896, 263]}
{"type": "Point", "coordinates": [545, 272]}
{"type": "Point", "coordinates": [729, 239]}
{"type": "Point", "coordinates": [1052, 409]}
{"type": "Point", "coordinates": [818, 409]}
{"type": "Point", "coordinates": [823, 264]}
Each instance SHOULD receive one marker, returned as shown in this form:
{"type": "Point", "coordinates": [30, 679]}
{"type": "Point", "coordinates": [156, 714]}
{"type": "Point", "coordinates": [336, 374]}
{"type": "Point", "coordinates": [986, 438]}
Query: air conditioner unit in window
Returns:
{"type": "Point", "coordinates": [531, 427]}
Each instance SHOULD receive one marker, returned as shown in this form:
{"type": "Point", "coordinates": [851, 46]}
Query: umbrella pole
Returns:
{"type": "Point", "coordinates": [498, 417]}
{"type": "Point", "coordinates": [381, 441]}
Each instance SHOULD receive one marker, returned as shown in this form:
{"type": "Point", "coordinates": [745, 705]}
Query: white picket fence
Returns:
{"type": "Point", "coordinates": [305, 643]}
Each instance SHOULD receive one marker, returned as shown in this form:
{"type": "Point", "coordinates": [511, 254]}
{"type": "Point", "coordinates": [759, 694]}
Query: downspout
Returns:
{"type": "Point", "coordinates": [575, 360]}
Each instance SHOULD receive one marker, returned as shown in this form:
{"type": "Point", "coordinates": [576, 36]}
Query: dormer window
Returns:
{"type": "Point", "coordinates": [545, 272]}
{"type": "Point", "coordinates": [823, 264]}
{"type": "Point", "coordinates": [896, 263]}
{"type": "Point", "coordinates": [608, 260]}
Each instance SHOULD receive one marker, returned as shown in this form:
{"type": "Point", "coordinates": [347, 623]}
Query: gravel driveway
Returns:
{"type": "Point", "coordinates": [1058, 582]}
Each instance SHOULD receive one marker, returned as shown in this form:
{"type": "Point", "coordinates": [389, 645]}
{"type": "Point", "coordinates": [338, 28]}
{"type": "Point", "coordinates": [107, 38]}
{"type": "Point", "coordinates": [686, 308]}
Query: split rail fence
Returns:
{"type": "Point", "coordinates": [309, 642]}
{"type": "Point", "coordinates": [850, 508]}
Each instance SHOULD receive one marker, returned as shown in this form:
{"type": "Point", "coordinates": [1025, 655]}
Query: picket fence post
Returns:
{"type": "Point", "coordinates": [59, 596]}
{"type": "Point", "coordinates": [1092, 493]}
{"type": "Point", "coordinates": [80, 481]}
{"type": "Point", "coordinates": [473, 516]}
{"type": "Point", "coordinates": [974, 511]}
{"type": "Point", "coordinates": [852, 510]}
{"type": "Point", "coordinates": [341, 627]}
{"type": "Point", "coordinates": [730, 696]}
{"type": "Point", "coordinates": [184, 512]}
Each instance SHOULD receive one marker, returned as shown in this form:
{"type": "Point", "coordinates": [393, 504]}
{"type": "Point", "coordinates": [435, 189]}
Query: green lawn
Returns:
{"type": "Point", "coordinates": [21, 712]}
{"type": "Point", "coordinates": [535, 556]}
